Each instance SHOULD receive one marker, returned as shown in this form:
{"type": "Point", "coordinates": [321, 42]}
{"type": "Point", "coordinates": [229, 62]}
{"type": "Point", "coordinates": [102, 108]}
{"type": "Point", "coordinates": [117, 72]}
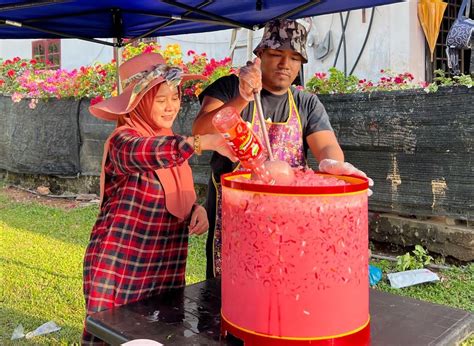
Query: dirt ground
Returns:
{"type": "Point", "coordinates": [23, 196]}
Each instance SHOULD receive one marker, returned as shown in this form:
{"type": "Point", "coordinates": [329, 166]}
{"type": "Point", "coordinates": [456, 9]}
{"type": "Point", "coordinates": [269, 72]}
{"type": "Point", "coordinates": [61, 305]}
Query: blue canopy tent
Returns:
{"type": "Point", "coordinates": [92, 20]}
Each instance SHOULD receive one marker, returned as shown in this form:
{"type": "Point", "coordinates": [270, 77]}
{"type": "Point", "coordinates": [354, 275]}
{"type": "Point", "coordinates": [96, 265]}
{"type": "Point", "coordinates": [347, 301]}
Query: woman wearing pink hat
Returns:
{"type": "Point", "coordinates": [138, 246]}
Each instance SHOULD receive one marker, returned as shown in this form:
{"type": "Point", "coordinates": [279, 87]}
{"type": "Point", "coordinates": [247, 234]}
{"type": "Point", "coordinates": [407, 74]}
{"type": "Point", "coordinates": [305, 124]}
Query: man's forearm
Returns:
{"type": "Point", "coordinates": [331, 152]}
{"type": "Point", "coordinates": [324, 145]}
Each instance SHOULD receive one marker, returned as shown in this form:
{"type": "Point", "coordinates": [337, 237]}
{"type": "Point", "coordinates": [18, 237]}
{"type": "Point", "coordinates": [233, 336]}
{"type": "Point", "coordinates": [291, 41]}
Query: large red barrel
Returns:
{"type": "Point", "coordinates": [295, 262]}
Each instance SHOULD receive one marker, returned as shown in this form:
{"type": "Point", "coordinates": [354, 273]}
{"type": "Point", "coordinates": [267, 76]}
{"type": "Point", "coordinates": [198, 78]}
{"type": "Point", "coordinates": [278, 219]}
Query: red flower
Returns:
{"type": "Point", "coordinates": [188, 92]}
{"type": "Point", "coordinates": [97, 99]}
{"type": "Point", "coordinates": [23, 64]}
{"type": "Point", "coordinates": [16, 59]}
{"type": "Point", "coordinates": [2, 82]}
{"type": "Point", "coordinates": [398, 80]}
{"type": "Point", "coordinates": [33, 61]}
{"type": "Point", "coordinates": [191, 52]}
{"type": "Point", "coordinates": [148, 49]}
{"type": "Point", "coordinates": [11, 73]}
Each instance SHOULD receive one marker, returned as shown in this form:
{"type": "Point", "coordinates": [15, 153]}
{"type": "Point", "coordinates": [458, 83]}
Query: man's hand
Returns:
{"type": "Point", "coordinates": [250, 79]}
{"type": "Point", "coordinates": [343, 168]}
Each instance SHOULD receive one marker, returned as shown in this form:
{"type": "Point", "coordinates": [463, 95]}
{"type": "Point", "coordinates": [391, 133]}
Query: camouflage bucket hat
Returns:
{"type": "Point", "coordinates": [284, 34]}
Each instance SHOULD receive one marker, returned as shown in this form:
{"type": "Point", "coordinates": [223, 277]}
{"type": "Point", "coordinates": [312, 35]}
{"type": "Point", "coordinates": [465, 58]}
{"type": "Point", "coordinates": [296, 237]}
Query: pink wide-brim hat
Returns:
{"type": "Point", "coordinates": [138, 75]}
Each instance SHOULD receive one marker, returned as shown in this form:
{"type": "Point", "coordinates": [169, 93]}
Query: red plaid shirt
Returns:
{"type": "Point", "coordinates": [136, 247]}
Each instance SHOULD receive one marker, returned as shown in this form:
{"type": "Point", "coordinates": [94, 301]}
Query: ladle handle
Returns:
{"type": "Point", "coordinates": [266, 139]}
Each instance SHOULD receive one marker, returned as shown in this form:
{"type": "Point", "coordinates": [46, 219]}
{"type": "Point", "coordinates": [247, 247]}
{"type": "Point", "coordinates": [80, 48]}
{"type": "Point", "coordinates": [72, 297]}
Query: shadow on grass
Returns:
{"type": "Point", "coordinates": [71, 227]}
{"type": "Point", "coordinates": [10, 319]}
{"type": "Point", "coordinates": [38, 270]}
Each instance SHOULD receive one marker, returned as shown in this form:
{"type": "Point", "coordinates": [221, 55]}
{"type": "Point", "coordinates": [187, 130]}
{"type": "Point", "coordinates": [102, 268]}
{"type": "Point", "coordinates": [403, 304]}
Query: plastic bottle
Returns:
{"type": "Point", "coordinates": [243, 141]}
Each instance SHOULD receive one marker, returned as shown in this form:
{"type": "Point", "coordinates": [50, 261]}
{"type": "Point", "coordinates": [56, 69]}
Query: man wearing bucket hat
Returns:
{"type": "Point", "coordinates": [138, 245]}
{"type": "Point", "coordinates": [297, 120]}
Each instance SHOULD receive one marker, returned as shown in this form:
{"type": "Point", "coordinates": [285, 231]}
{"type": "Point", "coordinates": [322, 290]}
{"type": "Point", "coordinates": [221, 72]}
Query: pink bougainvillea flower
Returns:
{"type": "Point", "coordinates": [320, 75]}
{"type": "Point", "coordinates": [17, 97]}
{"type": "Point", "coordinates": [33, 103]}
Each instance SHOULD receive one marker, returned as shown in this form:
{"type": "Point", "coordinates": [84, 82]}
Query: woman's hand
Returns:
{"type": "Point", "coordinates": [199, 223]}
{"type": "Point", "coordinates": [218, 143]}
{"type": "Point", "coordinates": [343, 168]}
{"type": "Point", "coordinates": [250, 79]}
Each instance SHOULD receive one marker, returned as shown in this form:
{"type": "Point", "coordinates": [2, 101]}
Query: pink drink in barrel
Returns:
{"type": "Point", "coordinates": [295, 261]}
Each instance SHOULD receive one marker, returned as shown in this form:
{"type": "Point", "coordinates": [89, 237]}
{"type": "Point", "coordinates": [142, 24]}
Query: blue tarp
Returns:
{"type": "Point", "coordinates": [133, 18]}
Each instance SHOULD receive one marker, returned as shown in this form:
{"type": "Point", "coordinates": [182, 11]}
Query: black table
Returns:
{"type": "Point", "coordinates": [191, 316]}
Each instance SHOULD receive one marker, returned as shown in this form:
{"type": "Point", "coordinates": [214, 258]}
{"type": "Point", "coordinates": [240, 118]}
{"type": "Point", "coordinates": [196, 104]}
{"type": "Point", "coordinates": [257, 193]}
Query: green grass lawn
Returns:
{"type": "Point", "coordinates": [41, 256]}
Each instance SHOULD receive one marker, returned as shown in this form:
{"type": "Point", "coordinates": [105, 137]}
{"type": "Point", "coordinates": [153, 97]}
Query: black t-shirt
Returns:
{"type": "Point", "coordinates": [312, 113]}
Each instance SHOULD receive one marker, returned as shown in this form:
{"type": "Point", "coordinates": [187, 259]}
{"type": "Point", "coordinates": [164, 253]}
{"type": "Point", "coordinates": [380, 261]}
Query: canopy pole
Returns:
{"type": "Point", "coordinates": [249, 45]}
{"type": "Point", "coordinates": [51, 32]}
{"type": "Point", "coordinates": [184, 17]}
{"type": "Point", "coordinates": [299, 9]}
{"type": "Point", "coordinates": [118, 43]}
{"type": "Point", "coordinates": [169, 22]}
{"type": "Point", "coordinates": [30, 4]}
{"type": "Point", "coordinates": [118, 62]}
{"type": "Point", "coordinates": [223, 20]}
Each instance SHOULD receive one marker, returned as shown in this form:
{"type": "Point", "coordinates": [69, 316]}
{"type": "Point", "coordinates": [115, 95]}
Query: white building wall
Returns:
{"type": "Point", "coordinates": [12, 48]}
{"type": "Point", "coordinates": [74, 53]}
{"type": "Point", "coordinates": [396, 42]}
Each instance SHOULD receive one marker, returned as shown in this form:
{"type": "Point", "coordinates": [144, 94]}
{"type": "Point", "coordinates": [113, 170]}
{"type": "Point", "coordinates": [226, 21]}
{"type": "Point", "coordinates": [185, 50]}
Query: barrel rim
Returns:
{"type": "Point", "coordinates": [357, 184]}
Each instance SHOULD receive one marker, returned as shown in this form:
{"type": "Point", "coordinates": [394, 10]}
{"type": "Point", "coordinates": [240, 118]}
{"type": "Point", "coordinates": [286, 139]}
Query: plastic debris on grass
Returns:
{"type": "Point", "coordinates": [375, 275]}
{"type": "Point", "coordinates": [46, 328]}
{"type": "Point", "coordinates": [411, 278]}
{"type": "Point", "coordinates": [18, 333]}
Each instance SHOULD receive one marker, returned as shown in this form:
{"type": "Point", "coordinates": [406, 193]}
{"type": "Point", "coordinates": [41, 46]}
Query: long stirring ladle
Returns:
{"type": "Point", "coordinates": [281, 171]}
{"type": "Point", "coordinates": [266, 139]}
